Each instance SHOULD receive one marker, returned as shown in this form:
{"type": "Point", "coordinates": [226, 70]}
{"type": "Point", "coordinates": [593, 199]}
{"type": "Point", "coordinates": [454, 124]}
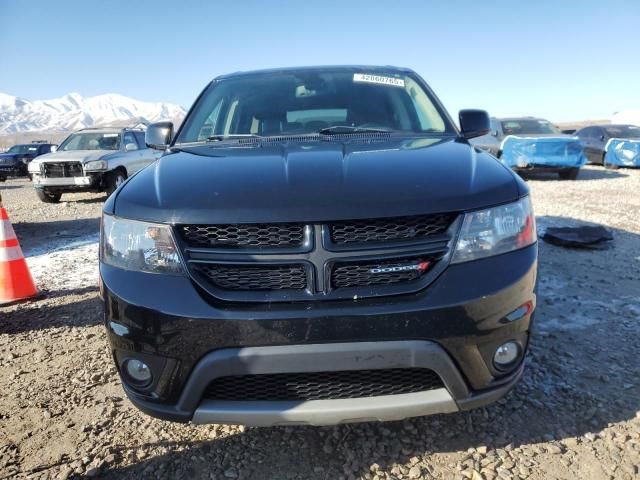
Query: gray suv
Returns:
{"type": "Point", "coordinates": [92, 159]}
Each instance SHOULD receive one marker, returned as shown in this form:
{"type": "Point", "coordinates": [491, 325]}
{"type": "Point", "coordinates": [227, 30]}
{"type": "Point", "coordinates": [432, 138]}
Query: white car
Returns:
{"type": "Point", "coordinates": [92, 159]}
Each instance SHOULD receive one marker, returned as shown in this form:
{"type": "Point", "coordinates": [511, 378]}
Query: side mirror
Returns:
{"type": "Point", "coordinates": [474, 123]}
{"type": "Point", "coordinates": [54, 148]}
{"type": "Point", "coordinates": [159, 135]}
{"type": "Point", "coordinates": [130, 147]}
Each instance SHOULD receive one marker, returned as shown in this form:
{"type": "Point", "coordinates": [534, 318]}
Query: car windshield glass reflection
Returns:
{"type": "Point", "coordinates": [91, 141]}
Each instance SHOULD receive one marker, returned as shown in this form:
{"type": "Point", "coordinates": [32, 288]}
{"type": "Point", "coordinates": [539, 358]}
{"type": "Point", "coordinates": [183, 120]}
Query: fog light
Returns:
{"type": "Point", "coordinates": [139, 372]}
{"type": "Point", "coordinates": [506, 354]}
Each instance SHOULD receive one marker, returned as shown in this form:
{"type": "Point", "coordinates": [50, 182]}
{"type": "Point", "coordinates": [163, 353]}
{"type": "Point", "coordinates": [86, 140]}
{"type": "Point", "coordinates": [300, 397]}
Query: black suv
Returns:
{"type": "Point", "coordinates": [15, 160]}
{"type": "Point", "coordinates": [318, 245]}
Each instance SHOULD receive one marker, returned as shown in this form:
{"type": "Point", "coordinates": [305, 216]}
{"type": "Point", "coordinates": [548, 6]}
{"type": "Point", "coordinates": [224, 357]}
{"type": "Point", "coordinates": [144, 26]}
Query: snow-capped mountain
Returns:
{"type": "Point", "coordinates": [73, 111]}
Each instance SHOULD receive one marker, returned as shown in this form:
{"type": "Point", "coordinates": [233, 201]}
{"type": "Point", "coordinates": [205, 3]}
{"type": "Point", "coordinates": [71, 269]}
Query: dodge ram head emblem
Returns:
{"type": "Point", "coordinates": [420, 267]}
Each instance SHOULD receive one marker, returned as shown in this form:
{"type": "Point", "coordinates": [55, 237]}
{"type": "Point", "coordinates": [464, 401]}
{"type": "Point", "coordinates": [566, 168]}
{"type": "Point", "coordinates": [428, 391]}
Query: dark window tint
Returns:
{"type": "Point", "coordinates": [585, 133]}
{"type": "Point", "coordinates": [129, 138]}
{"type": "Point", "coordinates": [140, 138]}
{"type": "Point", "coordinates": [528, 127]}
{"type": "Point", "coordinates": [306, 102]}
{"type": "Point", "coordinates": [624, 131]}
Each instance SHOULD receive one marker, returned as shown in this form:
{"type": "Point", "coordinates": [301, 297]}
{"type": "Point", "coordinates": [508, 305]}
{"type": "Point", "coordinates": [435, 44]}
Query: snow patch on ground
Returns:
{"type": "Point", "coordinates": [550, 285]}
{"type": "Point", "coordinates": [570, 322]}
{"type": "Point", "coordinates": [65, 265]}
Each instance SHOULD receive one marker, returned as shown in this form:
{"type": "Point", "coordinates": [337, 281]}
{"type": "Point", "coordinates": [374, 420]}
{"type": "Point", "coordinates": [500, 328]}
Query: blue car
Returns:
{"type": "Point", "coordinates": [13, 163]}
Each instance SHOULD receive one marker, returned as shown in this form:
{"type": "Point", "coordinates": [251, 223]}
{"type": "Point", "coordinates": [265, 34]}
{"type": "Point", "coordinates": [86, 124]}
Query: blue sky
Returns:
{"type": "Point", "coordinates": [563, 60]}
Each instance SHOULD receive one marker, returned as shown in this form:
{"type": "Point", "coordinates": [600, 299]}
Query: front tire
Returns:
{"type": "Point", "coordinates": [47, 196]}
{"type": "Point", "coordinates": [569, 174]}
{"type": "Point", "coordinates": [114, 180]}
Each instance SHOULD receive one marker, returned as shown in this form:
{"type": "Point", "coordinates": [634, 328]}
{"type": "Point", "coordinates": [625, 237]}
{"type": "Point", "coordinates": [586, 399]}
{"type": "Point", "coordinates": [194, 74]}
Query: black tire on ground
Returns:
{"type": "Point", "coordinates": [47, 196]}
{"type": "Point", "coordinates": [113, 180]}
{"type": "Point", "coordinates": [569, 174]}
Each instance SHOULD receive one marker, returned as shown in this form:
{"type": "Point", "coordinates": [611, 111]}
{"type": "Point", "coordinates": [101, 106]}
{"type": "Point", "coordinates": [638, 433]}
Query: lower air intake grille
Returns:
{"type": "Point", "coordinates": [396, 229]}
{"type": "Point", "coordinates": [62, 169]}
{"type": "Point", "coordinates": [365, 274]}
{"type": "Point", "coordinates": [323, 385]}
{"type": "Point", "coordinates": [275, 235]}
{"type": "Point", "coordinates": [254, 278]}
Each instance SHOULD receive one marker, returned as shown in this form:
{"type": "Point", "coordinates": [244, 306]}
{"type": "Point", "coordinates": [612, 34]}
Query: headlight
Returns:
{"type": "Point", "coordinates": [139, 246]}
{"type": "Point", "coordinates": [496, 230]}
{"type": "Point", "coordinates": [96, 165]}
{"type": "Point", "coordinates": [33, 167]}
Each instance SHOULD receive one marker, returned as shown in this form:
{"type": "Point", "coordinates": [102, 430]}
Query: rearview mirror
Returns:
{"type": "Point", "coordinates": [474, 123]}
{"type": "Point", "coordinates": [54, 148]}
{"type": "Point", "coordinates": [159, 135]}
{"type": "Point", "coordinates": [130, 147]}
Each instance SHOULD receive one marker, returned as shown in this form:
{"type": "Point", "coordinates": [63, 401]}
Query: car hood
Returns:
{"type": "Point", "coordinates": [315, 181]}
{"type": "Point", "coordinates": [74, 156]}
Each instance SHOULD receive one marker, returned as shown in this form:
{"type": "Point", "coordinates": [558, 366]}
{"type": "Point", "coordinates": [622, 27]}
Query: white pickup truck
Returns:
{"type": "Point", "coordinates": [92, 159]}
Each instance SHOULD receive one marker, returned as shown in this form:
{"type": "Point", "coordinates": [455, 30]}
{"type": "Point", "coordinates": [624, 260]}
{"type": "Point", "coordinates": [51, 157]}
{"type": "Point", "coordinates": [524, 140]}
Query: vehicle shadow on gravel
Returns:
{"type": "Point", "coordinates": [62, 228]}
{"type": "Point", "coordinates": [576, 384]}
{"type": "Point", "coordinates": [100, 199]}
{"type": "Point", "coordinates": [40, 237]}
{"type": "Point", "coordinates": [79, 307]}
{"type": "Point", "coordinates": [585, 174]}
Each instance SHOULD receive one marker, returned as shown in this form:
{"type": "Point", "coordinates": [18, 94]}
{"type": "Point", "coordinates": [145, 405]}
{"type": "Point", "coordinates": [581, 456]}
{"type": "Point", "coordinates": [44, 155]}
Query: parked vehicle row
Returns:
{"type": "Point", "coordinates": [535, 144]}
{"type": "Point", "coordinates": [103, 158]}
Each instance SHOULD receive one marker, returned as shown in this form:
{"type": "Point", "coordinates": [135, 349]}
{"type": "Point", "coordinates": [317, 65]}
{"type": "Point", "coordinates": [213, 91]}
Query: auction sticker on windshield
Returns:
{"type": "Point", "coordinates": [366, 78]}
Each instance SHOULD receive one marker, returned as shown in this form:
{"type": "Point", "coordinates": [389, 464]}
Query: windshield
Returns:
{"type": "Point", "coordinates": [624, 131]}
{"type": "Point", "coordinates": [528, 127]}
{"type": "Point", "coordinates": [307, 102]}
{"type": "Point", "coordinates": [91, 141]}
{"type": "Point", "coordinates": [23, 149]}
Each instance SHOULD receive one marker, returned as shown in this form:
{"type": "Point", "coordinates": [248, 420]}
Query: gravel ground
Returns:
{"type": "Point", "coordinates": [574, 415]}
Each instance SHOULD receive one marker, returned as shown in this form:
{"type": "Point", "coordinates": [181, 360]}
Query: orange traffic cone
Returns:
{"type": "Point", "coordinates": [15, 279]}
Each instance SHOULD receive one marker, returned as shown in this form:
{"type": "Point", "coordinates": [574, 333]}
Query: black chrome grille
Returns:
{"type": "Point", "coordinates": [396, 229]}
{"type": "Point", "coordinates": [258, 236]}
{"type": "Point", "coordinates": [292, 262]}
{"type": "Point", "coordinates": [62, 169]}
{"type": "Point", "coordinates": [323, 385]}
{"type": "Point", "coordinates": [254, 277]}
{"type": "Point", "coordinates": [370, 273]}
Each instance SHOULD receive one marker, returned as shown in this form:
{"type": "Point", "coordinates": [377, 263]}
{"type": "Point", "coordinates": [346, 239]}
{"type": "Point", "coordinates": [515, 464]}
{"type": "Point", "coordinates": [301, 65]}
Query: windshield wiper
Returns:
{"type": "Point", "coordinates": [232, 136]}
{"type": "Point", "coordinates": [340, 129]}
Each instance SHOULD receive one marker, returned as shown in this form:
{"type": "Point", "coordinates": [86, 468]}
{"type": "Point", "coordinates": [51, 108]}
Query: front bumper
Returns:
{"type": "Point", "coordinates": [452, 327]}
{"type": "Point", "coordinates": [85, 181]}
{"type": "Point", "coordinates": [331, 357]}
{"type": "Point", "coordinates": [12, 170]}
